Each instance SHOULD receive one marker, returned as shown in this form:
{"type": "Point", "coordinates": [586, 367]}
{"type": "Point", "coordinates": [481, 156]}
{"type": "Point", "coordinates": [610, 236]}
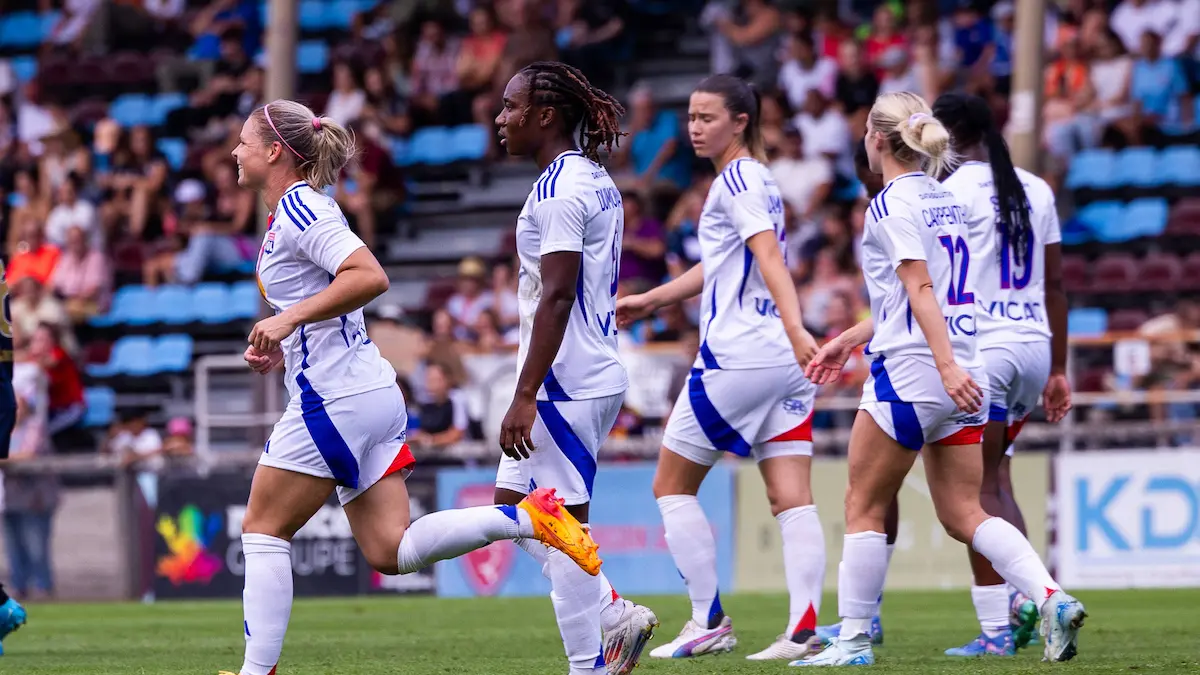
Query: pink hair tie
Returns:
{"type": "Point", "coordinates": [317, 123]}
{"type": "Point", "coordinates": [916, 116]}
{"type": "Point", "coordinates": [267, 114]}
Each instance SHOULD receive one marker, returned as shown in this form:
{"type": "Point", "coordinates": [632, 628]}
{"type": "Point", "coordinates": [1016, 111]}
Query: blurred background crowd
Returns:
{"type": "Point", "coordinates": [129, 247]}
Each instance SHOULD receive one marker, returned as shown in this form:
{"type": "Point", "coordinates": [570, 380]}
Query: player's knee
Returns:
{"type": "Point", "coordinates": [960, 523]}
{"type": "Point", "coordinates": [782, 499]}
{"type": "Point", "coordinates": [254, 523]}
{"type": "Point", "coordinates": [382, 557]}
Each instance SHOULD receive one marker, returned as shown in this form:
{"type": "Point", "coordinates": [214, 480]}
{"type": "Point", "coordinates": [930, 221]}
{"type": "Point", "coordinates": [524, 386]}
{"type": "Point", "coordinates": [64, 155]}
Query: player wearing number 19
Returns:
{"type": "Point", "coordinates": [1021, 314]}
{"type": "Point", "coordinates": [923, 392]}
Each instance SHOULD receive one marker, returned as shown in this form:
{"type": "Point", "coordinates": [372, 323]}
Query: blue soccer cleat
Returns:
{"type": "Point", "coordinates": [1000, 645]}
{"type": "Point", "coordinates": [1023, 620]}
{"type": "Point", "coordinates": [830, 633]}
{"type": "Point", "coordinates": [12, 617]}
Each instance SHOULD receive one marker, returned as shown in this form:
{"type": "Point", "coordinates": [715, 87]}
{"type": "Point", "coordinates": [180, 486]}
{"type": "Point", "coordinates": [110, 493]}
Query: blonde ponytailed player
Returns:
{"type": "Point", "coordinates": [923, 393]}
{"type": "Point", "coordinates": [345, 421]}
{"type": "Point", "coordinates": [747, 393]}
{"type": "Point", "coordinates": [1021, 314]}
{"type": "Point", "coordinates": [571, 381]}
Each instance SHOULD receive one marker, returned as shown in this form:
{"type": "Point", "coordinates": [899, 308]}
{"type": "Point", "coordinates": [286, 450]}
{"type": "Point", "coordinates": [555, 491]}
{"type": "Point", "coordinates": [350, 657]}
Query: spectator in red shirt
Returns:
{"type": "Point", "coordinates": [66, 385]}
{"type": "Point", "coordinates": [883, 36]}
{"type": "Point", "coordinates": [34, 257]}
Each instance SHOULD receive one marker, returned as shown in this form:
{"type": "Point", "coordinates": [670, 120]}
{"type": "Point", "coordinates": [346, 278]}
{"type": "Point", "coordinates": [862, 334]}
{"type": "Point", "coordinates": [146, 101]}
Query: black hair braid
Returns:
{"type": "Point", "coordinates": [593, 110]}
{"type": "Point", "coordinates": [970, 121]}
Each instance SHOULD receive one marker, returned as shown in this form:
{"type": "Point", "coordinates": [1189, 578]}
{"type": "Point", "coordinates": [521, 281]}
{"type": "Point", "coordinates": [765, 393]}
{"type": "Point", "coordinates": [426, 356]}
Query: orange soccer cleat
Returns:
{"type": "Point", "coordinates": [554, 526]}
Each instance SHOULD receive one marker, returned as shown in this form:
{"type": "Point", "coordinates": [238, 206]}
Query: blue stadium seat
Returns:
{"type": "Point", "coordinates": [173, 305]}
{"type": "Point", "coordinates": [1075, 232]}
{"type": "Point", "coordinates": [129, 302]}
{"type": "Point", "coordinates": [1103, 220]}
{"type": "Point", "coordinates": [312, 16]}
{"type": "Point", "coordinates": [211, 303]}
{"type": "Point", "coordinates": [431, 145]}
{"type": "Point", "coordinates": [130, 356]}
{"type": "Point", "coordinates": [1181, 165]}
{"type": "Point", "coordinates": [1087, 321]}
{"type": "Point", "coordinates": [165, 104]}
{"type": "Point", "coordinates": [245, 300]}
{"type": "Point", "coordinates": [49, 20]}
{"type": "Point", "coordinates": [21, 30]}
{"type": "Point", "coordinates": [172, 354]}
{"type": "Point", "coordinates": [175, 150]}
{"type": "Point", "coordinates": [101, 405]}
{"type": "Point", "coordinates": [1138, 167]}
{"type": "Point", "coordinates": [312, 57]}
{"type": "Point", "coordinates": [341, 13]}
{"type": "Point", "coordinates": [1146, 217]}
{"type": "Point", "coordinates": [1093, 169]}
{"type": "Point", "coordinates": [131, 110]}
{"type": "Point", "coordinates": [25, 68]}
{"type": "Point", "coordinates": [468, 142]}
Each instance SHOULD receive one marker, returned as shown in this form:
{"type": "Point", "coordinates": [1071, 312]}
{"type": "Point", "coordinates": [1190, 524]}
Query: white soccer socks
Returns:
{"type": "Point", "coordinates": [266, 600]}
{"type": "Point", "coordinates": [1013, 558]}
{"type": "Point", "coordinates": [803, 568]}
{"type": "Point", "coordinates": [860, 581]}
{"type": "Point", "coordinates": [690, 540]}
{"type": "Point", "coordinates": [441, 535]}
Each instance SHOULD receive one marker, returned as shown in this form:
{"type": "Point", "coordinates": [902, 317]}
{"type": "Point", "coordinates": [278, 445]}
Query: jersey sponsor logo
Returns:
{"type": "Point", "coordinates": [794, 406]}
{"type": "Point", "coordinates": [774, 204]}
{"type": "Point", "coordinates": [960, 324]}
{"type": "Point", "coordinates": [766, 307]}
{"type": "Point", "coordinates": [1016, 311]}
{"type": "Point", "coordinates": [486, 568]}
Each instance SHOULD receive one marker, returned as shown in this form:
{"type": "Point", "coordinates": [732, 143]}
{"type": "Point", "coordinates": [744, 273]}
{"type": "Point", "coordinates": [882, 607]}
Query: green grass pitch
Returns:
{"type": "Point", "coordinates": [1127, 632]}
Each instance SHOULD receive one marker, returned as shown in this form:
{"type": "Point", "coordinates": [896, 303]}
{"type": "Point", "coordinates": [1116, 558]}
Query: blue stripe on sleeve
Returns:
{"type": "Point", "coordinates": [568, 443]}
{"type": "Point", "coordinates": [287, 211]}
{"type": "Point", "coordinates": [723, 436]}
{"type": "Point", "coordinates": [303, 208]}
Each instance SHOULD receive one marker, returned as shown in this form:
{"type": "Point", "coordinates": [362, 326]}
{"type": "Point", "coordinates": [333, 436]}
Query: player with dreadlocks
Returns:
{"type": "Point", "coordinates": [571, 381]}
{"type": "Point", "coordinates": [1021, 318]}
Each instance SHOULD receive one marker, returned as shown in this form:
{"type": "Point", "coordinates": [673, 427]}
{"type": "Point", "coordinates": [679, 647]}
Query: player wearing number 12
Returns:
{"type": "Point", "coordinates": [923, 393]}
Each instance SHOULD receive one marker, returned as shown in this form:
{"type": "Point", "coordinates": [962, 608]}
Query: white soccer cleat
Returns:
{"type": "Point", "coordinates": [854, 652]}
{"type": "Point", "coordinates": [627, 637]}
{"type": "Point", "coordinates": [694, 640]}
{"type": "Point", "coordinates": [1062, 617]}
{"type": "Point", "coordinates": [784, 648]}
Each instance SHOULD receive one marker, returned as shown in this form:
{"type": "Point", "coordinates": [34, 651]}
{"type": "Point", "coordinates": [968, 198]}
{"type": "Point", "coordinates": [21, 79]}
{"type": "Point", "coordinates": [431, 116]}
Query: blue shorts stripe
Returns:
{"type": "Point", "coordinates": [723, 436]}
{"type": "Point", "coordinates": [904, 416]}
{"type": "Point", "coordinates": [337, 455]}
{"type": "Point", "coordinates": [554, 390]}
{"type": "Point", "coordinates": [570, 445]}
{"type": "Point", "coordinates": [997, 413]}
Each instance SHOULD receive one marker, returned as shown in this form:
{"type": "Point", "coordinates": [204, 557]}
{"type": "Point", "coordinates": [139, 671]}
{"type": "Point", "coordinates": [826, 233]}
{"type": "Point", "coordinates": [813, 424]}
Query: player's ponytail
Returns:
{"type": "Point", "coordinates": [741, 98]}
{"type": "Point", "coordinates": [971, 123]}
{"type": "Point", "coordinates": [319, 147]}
{"type": "Point", "coordinates": [914, 136]}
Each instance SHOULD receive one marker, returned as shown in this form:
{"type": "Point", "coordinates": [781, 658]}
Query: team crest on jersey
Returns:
{"type": "Point", "coordinates": [269, 243]}
{"type": "Point", "coordinates": [485, 568]}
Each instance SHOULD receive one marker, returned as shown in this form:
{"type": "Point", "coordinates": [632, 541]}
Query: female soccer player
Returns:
{"type": "Point", "coordinates": [747, 393]}
{"type": "Point", "coordinates": [345, 421]}
{"type": "Point", "coordinates": [12, 614]}
{"type": "Point", "coordinates": [1013, 234]}
{"type": "Point", "coordinates": [571, 380]}
{"type": "Point", "coordinates": [922, 394]}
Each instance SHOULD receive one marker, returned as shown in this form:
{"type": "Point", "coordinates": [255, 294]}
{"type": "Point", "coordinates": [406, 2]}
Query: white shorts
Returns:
{"type": "Point", "coordinates": [906, 399]}
{"type": "Point", "coordinates": [355, 440]}
{"type": "Point", "coordinates": [566, 436]}
{"type": "Point", "coordinates": [1017, 374]}
{"type": "Point", "coordinates": [759, 412]}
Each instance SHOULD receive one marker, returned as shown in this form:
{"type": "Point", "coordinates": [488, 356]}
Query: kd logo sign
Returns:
{"type": "Point", "coordinates": [1163, 512]}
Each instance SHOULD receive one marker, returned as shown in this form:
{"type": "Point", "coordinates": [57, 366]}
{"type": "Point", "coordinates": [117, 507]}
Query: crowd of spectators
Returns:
{"type": "Point", "coordinates": [89, 204]}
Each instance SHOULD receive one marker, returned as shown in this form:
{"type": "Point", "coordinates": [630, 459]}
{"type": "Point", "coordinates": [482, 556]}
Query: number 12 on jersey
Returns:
{"type": "Point", "coordinates": [958, 295]}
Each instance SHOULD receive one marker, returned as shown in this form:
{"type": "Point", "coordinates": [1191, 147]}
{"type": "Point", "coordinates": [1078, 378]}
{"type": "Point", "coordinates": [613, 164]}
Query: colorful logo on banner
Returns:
{"type": "Point", "coordinates": [625, 523]}
{"type": "Point", "coordinates": [189, 538]}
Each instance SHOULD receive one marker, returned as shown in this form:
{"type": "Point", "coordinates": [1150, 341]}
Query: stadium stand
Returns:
{"type": "Point", "coordinates": [144, 112]}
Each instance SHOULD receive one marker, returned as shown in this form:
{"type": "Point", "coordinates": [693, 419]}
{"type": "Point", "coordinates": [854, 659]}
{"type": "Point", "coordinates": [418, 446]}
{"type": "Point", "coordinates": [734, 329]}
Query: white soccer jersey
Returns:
{"type": "Point", "coordinates": [916, 218]}
{"type": "Point", "coordinates": [307, 241]}
{"type": "Point", "coordinates": [1010, 297]}
{"type": "Point", "coordinates": [574, 206]}
{"type": "Point", "coordinates": [740, 324]}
